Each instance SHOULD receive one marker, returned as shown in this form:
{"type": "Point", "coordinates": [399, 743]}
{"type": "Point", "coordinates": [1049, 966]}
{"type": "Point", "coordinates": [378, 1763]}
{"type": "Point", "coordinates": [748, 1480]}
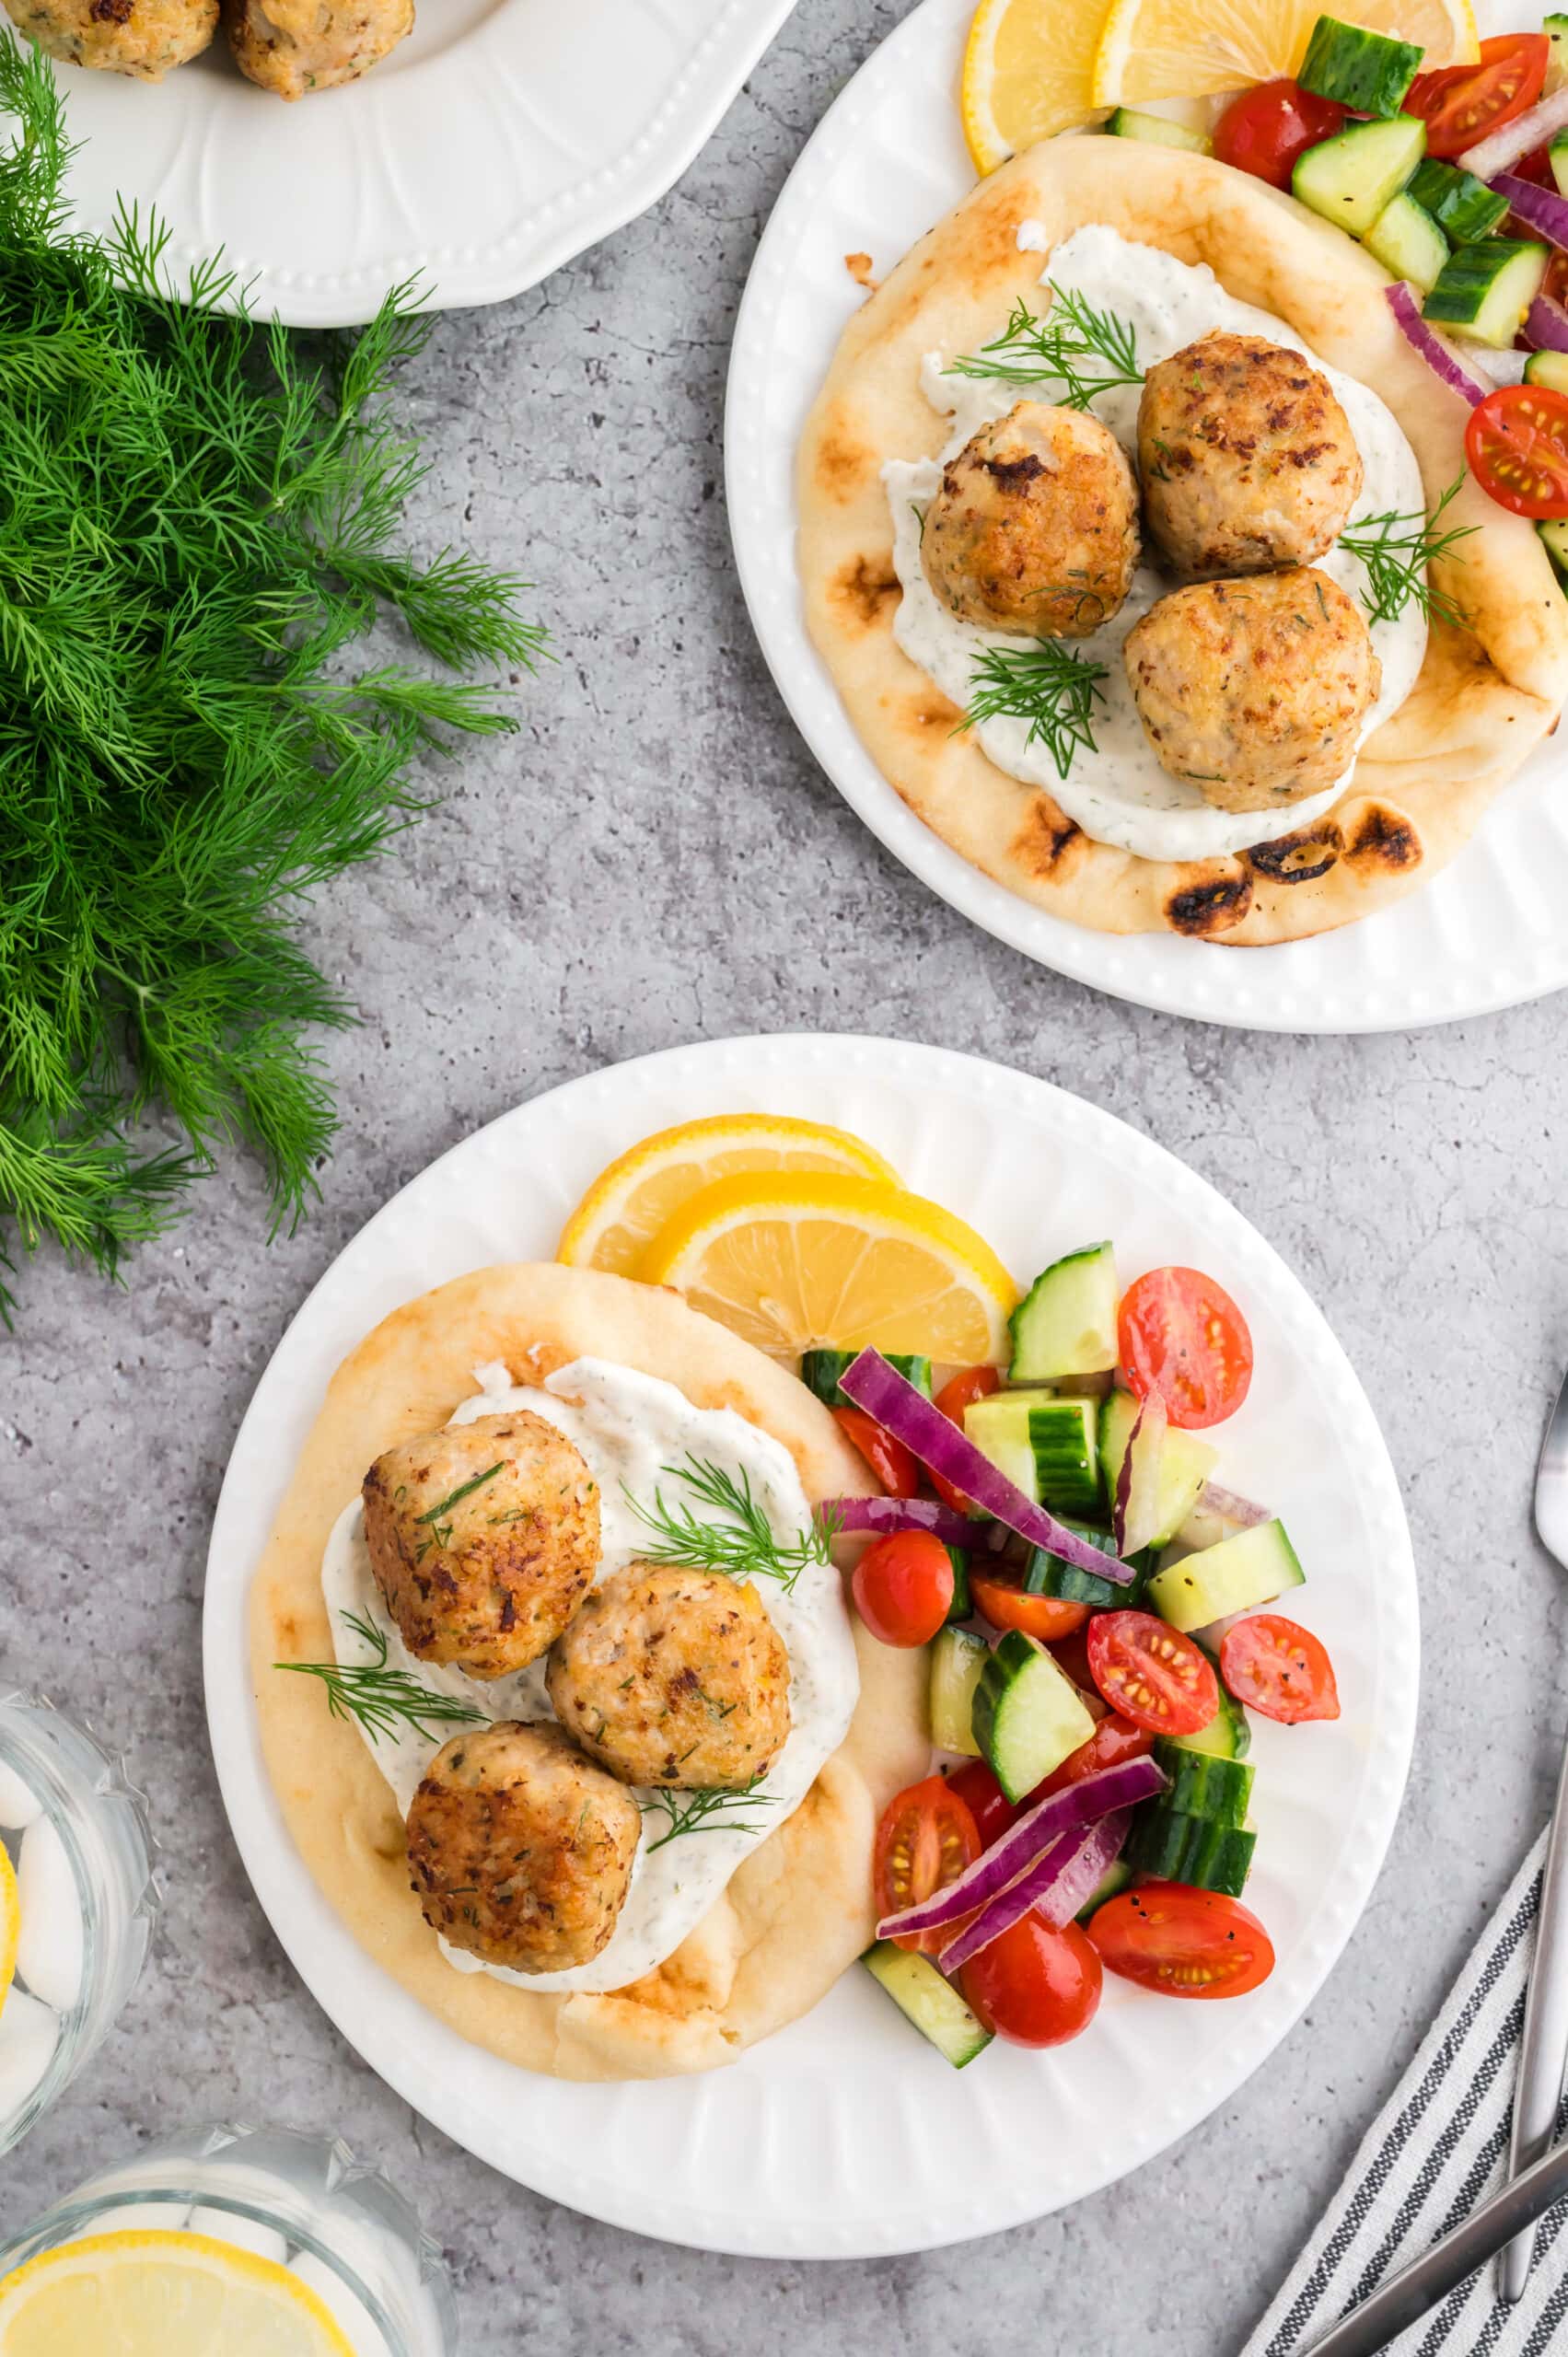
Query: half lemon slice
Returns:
{"type": "Point", "coordinates": [1172, 48]}
{"type": "Point", "coordinates": [161, 2296]}
{"type": "Point", "coordinates": [10, 1923]}
{"type": "Point", "coordinates": [801, 1261]}
{"type": "Point", "coordinates": [1028, 73]}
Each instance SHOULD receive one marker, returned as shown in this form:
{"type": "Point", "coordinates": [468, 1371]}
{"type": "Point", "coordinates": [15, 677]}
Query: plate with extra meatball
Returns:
{"type": "Point", "coordinates": [1066, 506]}
{"type": "Point", "coordinates": [475, 143]}
{"type": "Point", "coordinates": [698, 1646]}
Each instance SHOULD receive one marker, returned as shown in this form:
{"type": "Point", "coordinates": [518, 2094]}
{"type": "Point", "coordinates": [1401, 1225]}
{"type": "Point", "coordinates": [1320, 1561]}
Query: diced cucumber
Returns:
{"type": "Point", "coordinates": [1027, 1714]}
{"type": "Point", "coordinates": [1463, 207]}
{"type": "Point", "coordinates": [1250, 1569]}
{"type": "Point", "coordinates": [1114, 1880]}
{"type": "Point", "coordinates": [1227, 1734]}
{"type": "Point", "coordinates": [820, 1370]}
{"type": "Point", "coordinates": [1177, 1848]}
{"type": "Point", "coordinates": [963, 1603]}
{"type": "Point", "coordinates": [1555, 534]}
{"type": "Point", "coordinates": [1408, 243]}
{"type": "Point", "coordinates": [1204, 1785]}
{"type": "Point", "coordinates": [1368, 73]}
{"type": "Point", "coordinates": [932, 2004]}
{"type": "Point", "coordinates": [1556, 28]}
{"type": "Point", "coordinates": [1048, 1447]}
{"type": "Point", "coordinates": [1066, 1322]}
{"type": "Point", "coordinates": [1126, 123]}
{"type": "Point", "coordinates": [1484, 291]}
{"type": "Point", "coordinates": [958, 1657]}
{"type": "Point", "coordinates": [1352, 178]}
{"type": "Point", "coordinates": [1185, 1463]}
{"type": "Point", "coordinates": [1049, 1575]}
{"type": "Point", "coordinates": [1548, 369]}
{"type": "Point", "coordinates": [1557, 156]}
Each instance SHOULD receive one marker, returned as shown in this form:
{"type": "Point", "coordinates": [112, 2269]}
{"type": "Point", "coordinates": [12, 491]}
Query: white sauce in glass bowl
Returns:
{"type": "Point", "coordinates": [631, 1428]}
{"type": "Point", "coordinates": [1119, 793]}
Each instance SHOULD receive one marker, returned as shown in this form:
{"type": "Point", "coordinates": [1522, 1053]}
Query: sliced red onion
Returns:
{"type": "Point", "coordinates": [1231, 1506]}
{"type": "Point", "coordinates": [1434, 351]}
{"type": "Point", "coordinates": [911, 1417]}
{"type": "Point", "coordinates": [1055, 1887]}
{"type": "Point", "coordinates": [1135, 1511]}
{"type": "Point", "coordinates": [905, 1513]}
{"type": "Point", "coordinates": [1540, 209]}
{"type": "Point", "coordinates": [1063, 1816]}
{"type": "Point", "coordinates": [1546, 323]}
{"type": "Point", "coordinates": [1502, 150]}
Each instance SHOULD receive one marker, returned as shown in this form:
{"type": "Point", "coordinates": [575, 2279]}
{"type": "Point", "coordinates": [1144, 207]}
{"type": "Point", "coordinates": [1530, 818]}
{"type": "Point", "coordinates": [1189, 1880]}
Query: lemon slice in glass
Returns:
{"type": "Point", "coordinates": [1028, 73]}
{"type": "Point", "coordinates": [804, 1259]}
{"type": "Point", "coordinates": [10, 1923]}
{"type": "Point", "coordinates": [1170, 49]}
{"type": "Point", "coordinates": [161, 2296]}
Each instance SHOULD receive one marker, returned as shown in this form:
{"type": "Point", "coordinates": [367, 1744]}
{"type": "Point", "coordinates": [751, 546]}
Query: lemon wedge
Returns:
{"type": "Point", "coordinates": [161, 2294]}
{"type": "Point", "coordinates": [10, 1923]}
{"type": "Point", "coordinates": [631, 1200]}
{"type": "Point", "coordinates": [806, 1259]}
{"type": "Point", "coordinates": [1028, 72]}
{"type": "Point", "coordinates": [1170, 49]}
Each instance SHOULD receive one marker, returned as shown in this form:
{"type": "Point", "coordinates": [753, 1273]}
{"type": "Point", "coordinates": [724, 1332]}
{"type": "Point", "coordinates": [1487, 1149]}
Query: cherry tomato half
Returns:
{"type": "Point", "coordinates": [902, 1587]}
{"type": "Point", "coordinates": [892, 1463]}
{"type": "Point", "coordinates": [1516, 442]}
{"type": "Point", "coordinates": [970, 1384]}
{"type": "Point", "coordinates": [1181, 1335]}
{"type": "Point", "coordinates": [1034, 1985]}
{"type": "Point", "coordinates": [1182, 1943]}
{"type": "Point", "coordinates": [1151, 1674]}
{"type": "Point", "coordinates": [1462, 103]}
{"type": "Point", "coordinates": [924, 1841]}
{"type": "Point", "coordinates": [1264, 130]}
{"type": "Point", "coordinates": [1072, 1653]}
{"type": "Point", "coordinates": [1114, 1741]}
{"type": "Point", "coordinates": [983, 1797]}
{"type": "Point", "coordinates": [1007, 1605]}
{"type": "Point", "coordinates": [1279, 1670]}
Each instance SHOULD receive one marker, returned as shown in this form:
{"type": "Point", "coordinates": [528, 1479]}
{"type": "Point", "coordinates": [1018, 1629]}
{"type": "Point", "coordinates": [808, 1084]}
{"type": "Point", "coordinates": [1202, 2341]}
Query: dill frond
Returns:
{"type": "Point", "coordinates": [381, 1701]}
{"type": "Point", "coordinates": [708, 1811]}
{"type": "Point", "coordinates": [1046, 684]}
{"type": "Point", "coordinates": [1055, 349]}
{"type": "Point", "coordinates": [738, 1539]}
{"type": "Point", "coordinates": [1396, 551]}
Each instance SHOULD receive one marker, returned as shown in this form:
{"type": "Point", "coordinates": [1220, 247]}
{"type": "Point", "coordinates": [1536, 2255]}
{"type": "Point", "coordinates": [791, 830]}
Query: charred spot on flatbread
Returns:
{"type": "Point", "coordinates": [1048, 843]}
{"type": "Point", "coordinates": [1383, 838]}
{"type": "Point", "coordinates": [1297, 858]}
{"type": "Point", "coordinates": [863, 590]}
{"type": "Point", "coordinates": [930, 710]}
{"type": "Point", "coordinates": [844, 463]}
{"type": "Point", "coordinates": [1214, 906]}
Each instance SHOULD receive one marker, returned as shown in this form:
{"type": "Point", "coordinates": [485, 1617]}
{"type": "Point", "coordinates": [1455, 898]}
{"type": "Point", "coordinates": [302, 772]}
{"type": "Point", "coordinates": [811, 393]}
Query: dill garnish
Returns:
{"type": "Point", "coordinates": [1396, 549]}
{"type": "Point", "coordinates": [1031, 349]}
{"type": "Point", "coordinates": [383, 1701]}
{"type": "Point", "coordinates": [705, 1812]}
{"type": "Point", "coordinates": [740, 1542]}
{"type": "Point", "coordinates": [1046, 684]}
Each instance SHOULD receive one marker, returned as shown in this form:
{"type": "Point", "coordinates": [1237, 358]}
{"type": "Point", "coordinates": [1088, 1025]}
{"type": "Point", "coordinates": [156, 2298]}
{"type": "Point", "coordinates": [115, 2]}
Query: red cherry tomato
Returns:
{"type": "Point", "coordinates": [1007, 1605]}
{"type": "Point", "coordinates": [983, 1797]}
{"type": "Point", "coordinates": [1034, 1985]}
{"type": "Point", "coordinates": [891, 1462]}
{"type": "Point", "coordinates": [1182, 1943]}
{"type": "Point", "coordinates": [1072, 1653]}
{"type": "Point", "coordinates": [1279, 1670]}
{"type": "Point", "coordinates": [1150, 1674]}
{"type": "Point", "coordinates": [1114, 1741]}
{"type": "Point", "coordinates": [1516, 442]}
{"type": "Point", "coordinates": [971, 1383]}
{"type": "Point", "coordinates": [902, 1587]}
{"type": "Point", "coordinates": [1181, 1335]}
{"type": "Point", "coordinates": [1461, 104]}
{"type": "Point", "coordinates": [924, 1841]}
{"type": "Point", "coordinates": [1264, 130]}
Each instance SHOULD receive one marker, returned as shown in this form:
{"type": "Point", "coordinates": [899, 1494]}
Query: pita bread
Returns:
{"type": "Point", "coordinates": [797, 1911]}
{"type": "Point", "coordinates": [1486, 696]}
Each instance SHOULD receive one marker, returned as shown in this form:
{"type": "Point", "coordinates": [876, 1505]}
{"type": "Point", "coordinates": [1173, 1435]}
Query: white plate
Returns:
{"type": "Point", "coordinates": [887, 161]}
{"type": "Point", "coordinates": [845, 2136]}
{"type": "Point", "coordinates": [500, 139]}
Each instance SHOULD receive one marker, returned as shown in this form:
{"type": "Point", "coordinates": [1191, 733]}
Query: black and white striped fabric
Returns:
{"type": "Point", "coordinates": [1437, 2148]}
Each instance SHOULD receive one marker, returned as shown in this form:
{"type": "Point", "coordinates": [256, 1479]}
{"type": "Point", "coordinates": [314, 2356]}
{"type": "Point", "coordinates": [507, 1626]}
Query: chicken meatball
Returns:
{"type": "Point", "coordinates": [1254, 690]}
{"type": "Point", "coordinates": [292, 47]}
{"type": "Point", "coordinates": [484, 1539]}
{"type": "Point", "coordinates": [1248, 460]}
{"type": "Point", "coordinates": [673, 1677]}
{"type": "Point", "coordinates": [1035, 529]}
{"type": "Point", "coordinates": [145, 39]}
{"type": "Point", "coordinates": [519, 1850]}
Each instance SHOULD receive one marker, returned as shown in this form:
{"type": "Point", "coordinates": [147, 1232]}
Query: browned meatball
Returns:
{"type": "Point", "coordinates": [1254, 690]}
{"type": "Point", "coordinates": [1034, 528]}
{"type": "Point", "coordinates": [292, 47]}
{"type": "Point", "coordinates": [1248, 460]}
{"type": "Point", "coordinates": [521, 1850]}
{"type": "Point", "coordinates": [484, 1539]}
{"type": "Point", "coordinates": [673, 1677]}
{"type": "Point", "coordinates": [143, 38]}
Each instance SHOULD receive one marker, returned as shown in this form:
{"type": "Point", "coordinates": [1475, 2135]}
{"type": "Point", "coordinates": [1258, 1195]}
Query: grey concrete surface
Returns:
{"type": "Point", "coordinates": [653, 859]}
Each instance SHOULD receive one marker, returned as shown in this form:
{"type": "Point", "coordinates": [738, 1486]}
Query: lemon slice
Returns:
{"type": "Point", "coordinates": [161, 2296]}
{"type": "Point", "coordinates": [1028, 72]}
{"type": "Point", "coordinates": [803, 1259]}
{"type": "Point", "coordinates": [1169, 49]}
{"type": "Point", "coordinates": [630, 1201]}
{"type": "Point", "coordinates": [10, 1923]}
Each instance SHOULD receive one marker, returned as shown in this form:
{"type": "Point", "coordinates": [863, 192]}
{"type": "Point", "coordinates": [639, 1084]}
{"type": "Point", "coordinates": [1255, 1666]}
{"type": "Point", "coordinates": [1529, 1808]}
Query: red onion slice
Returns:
{"type": "Point", "coordinates": [1503, 148]}
{"type": "Point", "coordinates": [1546, 324]}
{"type": "Point", "coordinates": [1135, 1512]}
{"type": "Point", "coordinates": [1434, 351]}
{"type": "Point", "coordinates": [1231, 1506]}
{"type": "Point", "coordinates": [954, 1529]}
{"type": "Point", "coordinates": [1540, 209]}
{"type": "Point", "coordinates": [1055, 1887]}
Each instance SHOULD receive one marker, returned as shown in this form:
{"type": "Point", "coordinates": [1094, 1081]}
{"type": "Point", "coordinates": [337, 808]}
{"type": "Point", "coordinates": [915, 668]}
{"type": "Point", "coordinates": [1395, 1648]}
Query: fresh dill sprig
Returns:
{"type": "Point", "coordinates": [1032, 349]}
{"type": "Point", "coordinates": [706, 1812]}
{"type": "Point", "coordinates": [383, 1702]}
{"type": "Point", "coordinates": [739, 1541]}
{"type": "Point", "coordinates": [1396, 549]}
{"type": "Point", "coordinates": [1046, 684]}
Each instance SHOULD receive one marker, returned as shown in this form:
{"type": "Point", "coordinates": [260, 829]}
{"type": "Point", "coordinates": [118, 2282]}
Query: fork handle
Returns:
{"type": "Point", "coordinates": [1543, 2049]}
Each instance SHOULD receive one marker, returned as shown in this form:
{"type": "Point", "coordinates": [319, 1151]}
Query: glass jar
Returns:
{"type": "Point", "coordinates": [75, 1834]}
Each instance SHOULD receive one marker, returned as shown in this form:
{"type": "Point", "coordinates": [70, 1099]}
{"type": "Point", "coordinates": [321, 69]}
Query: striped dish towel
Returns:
{"type": "Point", "coordinates": [1436, 2149]}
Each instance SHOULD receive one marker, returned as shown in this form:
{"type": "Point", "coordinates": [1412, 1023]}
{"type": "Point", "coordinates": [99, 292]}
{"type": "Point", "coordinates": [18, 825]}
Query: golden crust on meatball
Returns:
{"type": "Point", "coordinates": [292, 47]}
{"type": "Point", "coordinates": [145, 39]}
{"type": "Point", "coordinates": [519, 1850]}
{"type": "Point", "coordinates": [1035, 527]}
{"type": "Point", "coordinates": [484, 1539]}
{"type": "Point", "coordinates": [674, 1678]}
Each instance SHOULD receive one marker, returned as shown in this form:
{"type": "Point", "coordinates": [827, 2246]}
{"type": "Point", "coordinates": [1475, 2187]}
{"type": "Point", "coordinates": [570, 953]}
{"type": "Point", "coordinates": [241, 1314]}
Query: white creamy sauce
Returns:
{"type": "Point", "coordinates": [1119, 793]}
{"type": "Point", "coordinates": [630, 1429]}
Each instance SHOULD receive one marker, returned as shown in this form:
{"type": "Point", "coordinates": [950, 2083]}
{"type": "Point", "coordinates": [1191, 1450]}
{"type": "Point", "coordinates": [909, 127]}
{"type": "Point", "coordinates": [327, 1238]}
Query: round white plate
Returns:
{"type": "Point", "coordinates": [500, 139]}
{"type": "Point", "coordinates": [845, 2136]}
{"type": "Point", "coordinates": [887, 161]}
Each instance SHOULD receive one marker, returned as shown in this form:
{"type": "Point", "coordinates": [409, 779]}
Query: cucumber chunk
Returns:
{"type": "Point", "coordinates": [1114, 1880]}
{"type": "Point", "coordinates": [1368, 73]}
{"type": "Point", "coordinates": [1556, 28]}
{"type": "Point", "coordinates": [1554, 532]}
{"type": "Point", "coordinates": [1227, 1734]}
{"type": "Point", "coordinates": [1177, 1847]}
{"type": "Point", "coordinates": [1548, 369]}
{"type": "Point", "coordinates": [1048, 1447]}
{"type": "Point", "coordinates": [958, 1658]}
{"type": "Point", "coordinates": [1557, 156]}
{"type": "Point", "coordinates": [1484, 291]}
{"type": "Point", "coordinates": [1408, 243]}
{"type": "Point", "coordinates": [1352, 178]}
{"type": "Point", "coordinates": [1204, 1785]}
{"type": "Point", "coordinates": [932, 2004]}
{"type": "Point", "coordinates": [1463, 207]}
{"type": "Point", "coordinates": [963, 1603]}
{"type": "Point", "coordinates": [1049, 1575]}
{"type": "Point", "coordinates": [1126, 123]}
{"type": "Point", "coordinates": [1185, 1463]}
{"type": "Point", "coordinates": [1066, 1322]}
{"type": "Point", "coordinates": [1250, 1569]}
{"type": "Point", "coordinates": [820, 1370]}
{"type": "Point", "coordinates": [1027, 1714]}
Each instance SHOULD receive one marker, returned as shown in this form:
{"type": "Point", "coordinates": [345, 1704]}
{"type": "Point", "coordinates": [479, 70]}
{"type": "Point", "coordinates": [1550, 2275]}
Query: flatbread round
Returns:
{"type": "Point", "coordinates": [1486, 695]}
{"type": "Point", "coordinates": [797, 1911]}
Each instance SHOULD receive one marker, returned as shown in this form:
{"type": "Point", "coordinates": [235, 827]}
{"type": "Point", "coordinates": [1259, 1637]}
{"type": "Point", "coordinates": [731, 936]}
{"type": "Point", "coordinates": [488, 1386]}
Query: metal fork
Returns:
{"type": "Point", "coordinates": [1543, 2050]}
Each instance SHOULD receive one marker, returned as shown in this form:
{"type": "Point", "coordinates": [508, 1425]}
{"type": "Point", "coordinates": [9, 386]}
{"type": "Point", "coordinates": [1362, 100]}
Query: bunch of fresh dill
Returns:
{"type": "Point", "coordinates": [196, 519]}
